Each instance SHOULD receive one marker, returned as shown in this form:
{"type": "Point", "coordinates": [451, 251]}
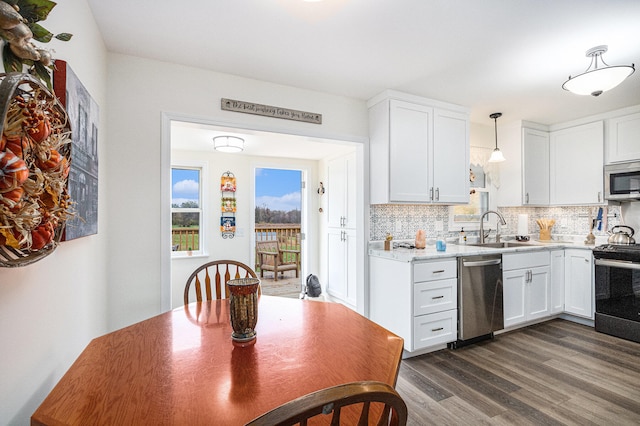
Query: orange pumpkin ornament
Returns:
{"type": "Point", "coordinates": [12, 198]}
{"type": "Point", "coordinates": [42, 235]}
{"type": "Point", "coordinates": [16, 144]}
{"type": "Point", "coordinates": [52, 161]}
{"type": "Point", "coordinates": [41, 130]}
{"type": "Point", "coordinates": [13, 170]}
{"type": "Point", "coordinates": [65, 167]}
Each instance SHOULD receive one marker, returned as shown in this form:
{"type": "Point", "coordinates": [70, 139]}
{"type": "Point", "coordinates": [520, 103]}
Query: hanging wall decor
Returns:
{"type": "Point", "coordinates": [35, 152]}
{"type": "Point", "coordinates": [228, 205]}
{"type": "Point", "coordinates": [83, 114]}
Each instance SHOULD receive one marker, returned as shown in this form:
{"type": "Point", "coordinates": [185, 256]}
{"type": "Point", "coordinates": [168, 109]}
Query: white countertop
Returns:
{"type": "Point", "coordinates": [376, 248]}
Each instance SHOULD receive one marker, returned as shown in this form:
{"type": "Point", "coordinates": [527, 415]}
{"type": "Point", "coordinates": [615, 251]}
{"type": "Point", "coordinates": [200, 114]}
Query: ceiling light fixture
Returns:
{"type": "Point", "coordinates": [596, 80]}
{"type": "Point", "coordinates": [228, 143]}
{"type": "Point", "coordinates": [496, 155]}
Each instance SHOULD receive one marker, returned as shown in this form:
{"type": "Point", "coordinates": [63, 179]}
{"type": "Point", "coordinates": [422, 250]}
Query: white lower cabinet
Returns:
{"type": "Point", "coordinates": [578, 282]}
{"type": "Point", "coordinates": [341, 253]}
{"type": "Point", "coordinates": [557, 281]}
{"type": "Point", "coordinates": [416, 300]}
{"type": "Point", "coordinates": [433, 329]}
{"type": "Point", "coordinates": [526, 286]}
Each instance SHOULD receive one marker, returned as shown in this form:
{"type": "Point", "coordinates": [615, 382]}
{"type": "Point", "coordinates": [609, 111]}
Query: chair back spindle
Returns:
{"type": "Point", "coordinates": [224, 270]}
{"type": "Point", "coordinates": [332, 401]}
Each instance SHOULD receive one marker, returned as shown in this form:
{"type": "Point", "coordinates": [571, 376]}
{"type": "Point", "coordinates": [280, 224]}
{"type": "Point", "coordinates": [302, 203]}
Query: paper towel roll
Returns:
{"type": "Point", "coordinates": [523, 225]}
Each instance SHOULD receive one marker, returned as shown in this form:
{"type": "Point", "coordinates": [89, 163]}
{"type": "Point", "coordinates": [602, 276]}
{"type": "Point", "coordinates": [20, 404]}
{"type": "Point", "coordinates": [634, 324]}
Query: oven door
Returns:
{"type": "Point", "coordinates": [617, 292]}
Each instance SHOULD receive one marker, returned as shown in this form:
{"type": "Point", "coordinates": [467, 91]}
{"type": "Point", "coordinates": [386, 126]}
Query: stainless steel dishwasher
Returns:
{"type": "Point", "coordinates": [480, 310]}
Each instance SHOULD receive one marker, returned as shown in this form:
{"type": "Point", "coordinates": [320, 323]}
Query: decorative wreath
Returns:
{"type": "Point", "coordinates": [35, 155]}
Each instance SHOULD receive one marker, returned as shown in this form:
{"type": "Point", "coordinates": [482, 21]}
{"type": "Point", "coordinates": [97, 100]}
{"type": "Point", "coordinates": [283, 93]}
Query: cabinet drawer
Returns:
{"type": "Point", "coordinates": [435, 329]}
{"type": "Point", "coordinates": [429, 271]}
{"type": "Point", "coordinates": [435, 296]}
{"type": "Point", "coordinates": [511, 261]}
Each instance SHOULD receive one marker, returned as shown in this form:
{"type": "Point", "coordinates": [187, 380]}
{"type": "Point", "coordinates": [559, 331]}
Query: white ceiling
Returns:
{"type": "Point", "coordinates": [489, 55]}
{"type": "Point", "coordinates": [198, 137]}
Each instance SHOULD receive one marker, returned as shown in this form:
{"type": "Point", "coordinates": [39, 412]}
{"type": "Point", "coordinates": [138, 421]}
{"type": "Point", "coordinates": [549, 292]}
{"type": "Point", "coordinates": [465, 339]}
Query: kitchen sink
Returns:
{"type": "Point", "coordinates": [504, 244]}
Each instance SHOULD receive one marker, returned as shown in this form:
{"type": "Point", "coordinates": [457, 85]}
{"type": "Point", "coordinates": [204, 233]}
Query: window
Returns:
{"type": "Point", "coordinates": [468, 215]}
{"type": "Point", "coordinates": [186, 210]}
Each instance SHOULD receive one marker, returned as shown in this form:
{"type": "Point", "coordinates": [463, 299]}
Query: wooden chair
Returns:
{"type": "Point", "coordinates": [222, 271]}
{"type": "Point", "coordinates": [333, 399]}
{"type": "Point", "coordinates": [271, 256]}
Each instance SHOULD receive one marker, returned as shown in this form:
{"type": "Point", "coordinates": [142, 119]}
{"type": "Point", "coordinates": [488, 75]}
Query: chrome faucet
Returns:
{"type": "Point", "coordinates": [501, 221]}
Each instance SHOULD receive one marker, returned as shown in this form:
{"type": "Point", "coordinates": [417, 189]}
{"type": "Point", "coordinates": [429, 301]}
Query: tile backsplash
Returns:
{"type": "Point", "coordinates": [572, 220]}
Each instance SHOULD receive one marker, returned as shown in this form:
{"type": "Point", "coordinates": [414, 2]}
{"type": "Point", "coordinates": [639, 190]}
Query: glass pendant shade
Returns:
{"type": "Point", "coordinates": [228, 144]}
{"type": "Point", "coordinates": [496, 156]}
{"type": "Point", "coordinates": [594, 81]}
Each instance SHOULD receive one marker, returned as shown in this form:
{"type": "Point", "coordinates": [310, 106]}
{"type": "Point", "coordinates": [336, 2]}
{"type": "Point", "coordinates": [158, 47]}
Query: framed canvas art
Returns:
{"type": "Point", "coordinates": [83, 114]}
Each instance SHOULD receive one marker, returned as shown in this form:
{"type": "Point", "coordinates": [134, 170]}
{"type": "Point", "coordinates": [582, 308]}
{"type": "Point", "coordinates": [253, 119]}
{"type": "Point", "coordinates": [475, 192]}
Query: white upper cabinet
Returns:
{"type": "Point", "coordinates": [535, 164]}
{"type": "Point", "coordinates": [451, 156]}
{"type": "Point", "coordinates": [524, 176]}
{"type": "Point", "coordinates": [419, 150]}
{"type": "Point", "coordinates": [623, 143]}
{"type": "Point", "coordinates": [576, 160]}
{"type": "Point", "coordinates": [410, 138]}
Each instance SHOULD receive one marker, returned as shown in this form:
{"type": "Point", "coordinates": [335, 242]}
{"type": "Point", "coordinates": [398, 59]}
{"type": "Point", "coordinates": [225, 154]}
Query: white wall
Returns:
{"type": "Point", "coordinates": [50, 310]}
{"type": "Point", "coordinates": [140, 91]}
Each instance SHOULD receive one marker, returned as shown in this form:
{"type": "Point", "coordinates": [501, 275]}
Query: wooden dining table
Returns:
{"type": "Point", "coordinates": [182, 368]}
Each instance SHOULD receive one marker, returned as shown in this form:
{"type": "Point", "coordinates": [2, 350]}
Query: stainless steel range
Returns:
{"type": "Point", "coordinates": [617, 290]}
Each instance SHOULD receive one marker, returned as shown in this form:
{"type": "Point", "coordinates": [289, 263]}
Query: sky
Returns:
{"type": "Point", "coordinates": [184, 185]}
{"type": "Point", "coordinates": [278, 189]}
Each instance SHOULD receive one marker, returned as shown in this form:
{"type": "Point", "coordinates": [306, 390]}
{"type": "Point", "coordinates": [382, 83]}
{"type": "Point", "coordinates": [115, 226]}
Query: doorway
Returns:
{"type": "Point", "coordinates": [264, 147]}
{"type": "Point", "coordinates": [278, 230]}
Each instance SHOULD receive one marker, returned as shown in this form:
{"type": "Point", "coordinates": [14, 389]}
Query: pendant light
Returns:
{"type": "Point", "coordinates": [596, 80]}
{"type": "Point", "coordinates": [228, 144]}
{"type": "Point", "coordinates": [496, 155]}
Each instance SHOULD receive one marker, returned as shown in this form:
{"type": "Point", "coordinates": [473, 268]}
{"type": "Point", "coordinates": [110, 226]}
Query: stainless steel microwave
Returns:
{"type": "Point", "coordinates": [622, 181]}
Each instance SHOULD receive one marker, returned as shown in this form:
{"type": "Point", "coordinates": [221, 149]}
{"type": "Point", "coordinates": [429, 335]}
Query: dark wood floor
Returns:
{"type": "Point", "coordinates": [553, 373]}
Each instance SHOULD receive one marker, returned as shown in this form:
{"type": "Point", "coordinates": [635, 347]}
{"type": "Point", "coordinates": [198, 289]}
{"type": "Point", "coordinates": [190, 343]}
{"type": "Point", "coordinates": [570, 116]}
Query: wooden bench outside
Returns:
{"type": "Point", "coordinates": [271, 257]}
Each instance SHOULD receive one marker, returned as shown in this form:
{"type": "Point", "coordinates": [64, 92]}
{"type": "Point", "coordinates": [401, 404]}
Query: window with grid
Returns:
{"type": "Point", "coordinates": [186, 210]}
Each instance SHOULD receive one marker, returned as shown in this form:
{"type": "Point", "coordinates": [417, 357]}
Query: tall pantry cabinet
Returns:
{"type": "Point", "coordinates": [341, 229]}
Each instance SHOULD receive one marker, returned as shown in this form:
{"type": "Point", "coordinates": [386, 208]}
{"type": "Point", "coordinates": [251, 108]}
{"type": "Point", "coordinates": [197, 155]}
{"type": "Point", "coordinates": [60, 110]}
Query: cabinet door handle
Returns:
{"type": "Point", "coordinates": [437, 329]}
{"type": "Point", "coordinates": [437, 194]}
{"type": "Point", "coordinates": [437, 297]}
{"type": "Point", "coordinates": [431, 193]}
{"type": "Point", "coordinates": [599, 196]}
{"type": "Point", "coordinates": [526, 198]}
{"type": "Point", "coordinates": [439, 271]}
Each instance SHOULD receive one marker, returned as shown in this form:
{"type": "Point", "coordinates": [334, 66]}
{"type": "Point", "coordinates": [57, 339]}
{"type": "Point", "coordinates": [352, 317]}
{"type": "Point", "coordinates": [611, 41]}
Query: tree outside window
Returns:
{"type": "Point", "coordinates": [186, 209]}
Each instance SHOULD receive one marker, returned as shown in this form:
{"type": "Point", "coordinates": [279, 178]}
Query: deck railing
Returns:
{"type": "Point", "coordinates": [288, 234]}
{"type": "Point", "coordinates": [183, 239]}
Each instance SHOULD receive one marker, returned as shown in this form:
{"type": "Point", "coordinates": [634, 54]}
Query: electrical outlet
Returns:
{"type": "Point", "coordinates": [240, 232]}
{"type": "Point", "coordinates": [398, 226]}
{"type": "Point", "coordinates": [439, 225]}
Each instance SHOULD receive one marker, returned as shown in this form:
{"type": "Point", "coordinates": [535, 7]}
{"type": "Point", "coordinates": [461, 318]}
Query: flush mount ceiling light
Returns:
{"type": "Point", "coordinates": [228, 143]}
{"type": "Point", "coordinates": [596, 80]}
{"type": "Point", "coordinates": [496, 155]}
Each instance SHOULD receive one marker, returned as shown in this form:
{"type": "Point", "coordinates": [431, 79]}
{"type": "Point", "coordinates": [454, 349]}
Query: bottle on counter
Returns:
{"type": "Point", "coordinates": [462, 237]}
{"type": "Point", "coordinates": [421, 239]}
